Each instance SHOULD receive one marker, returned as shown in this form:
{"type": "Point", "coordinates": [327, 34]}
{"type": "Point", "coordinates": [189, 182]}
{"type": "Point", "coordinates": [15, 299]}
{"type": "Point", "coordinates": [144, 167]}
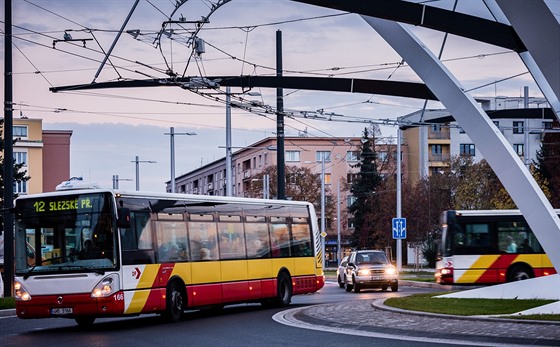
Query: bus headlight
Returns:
{"type": "Point", "coordinates": [106, 287]}
{"type": "Point", "coordinates": [20, 293]}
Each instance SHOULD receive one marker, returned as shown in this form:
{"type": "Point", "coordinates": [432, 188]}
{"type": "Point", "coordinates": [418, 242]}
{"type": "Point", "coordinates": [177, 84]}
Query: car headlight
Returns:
{"type": "Point", "coordinates": [391, 271]}
{"type": "Point", "coordinates": [363, 272]}
{"type": "Point", "coordinates": [106, 287]}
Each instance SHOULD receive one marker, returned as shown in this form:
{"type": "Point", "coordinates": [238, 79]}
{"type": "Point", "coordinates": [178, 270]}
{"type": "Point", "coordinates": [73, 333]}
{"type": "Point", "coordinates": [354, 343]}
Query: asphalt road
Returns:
{"type": "Point", "coordinates": [241, 325]}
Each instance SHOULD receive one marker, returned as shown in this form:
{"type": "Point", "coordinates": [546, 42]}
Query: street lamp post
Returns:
{"type": "Point", "coordinates": [116, 180]}
{"type": "Point", "coordinates": [323, 236]}
{"type": "Point", "coordinates": [138, 161]}
{"type": "Point", "coordinates": [172, 134]}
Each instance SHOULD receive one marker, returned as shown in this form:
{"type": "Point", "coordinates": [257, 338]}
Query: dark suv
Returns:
{"type": "Point", "coordinates": [370, 269]}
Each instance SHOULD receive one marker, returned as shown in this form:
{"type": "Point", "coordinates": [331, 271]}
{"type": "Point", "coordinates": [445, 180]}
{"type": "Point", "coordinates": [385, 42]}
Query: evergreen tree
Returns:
{"type": "Point", "coordinates": [547, 164]}
{"type": "Point", "coordinates": [366, 200]}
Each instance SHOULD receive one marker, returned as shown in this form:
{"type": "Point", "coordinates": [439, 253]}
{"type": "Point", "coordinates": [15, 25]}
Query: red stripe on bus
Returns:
{"type": "Point", "coordinates": [497, 271]}
{"type": "Point", "coordinates": [156, 299]}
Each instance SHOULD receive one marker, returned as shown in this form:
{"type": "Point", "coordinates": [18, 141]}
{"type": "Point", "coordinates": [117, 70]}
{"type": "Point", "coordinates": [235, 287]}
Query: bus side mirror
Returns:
{"type": "Point", "coordinates": [123, 220]}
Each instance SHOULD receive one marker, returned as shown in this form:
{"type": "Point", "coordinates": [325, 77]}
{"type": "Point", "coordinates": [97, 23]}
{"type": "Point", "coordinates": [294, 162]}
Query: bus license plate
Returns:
{"type": "Point", "coordinates": [61, 311]}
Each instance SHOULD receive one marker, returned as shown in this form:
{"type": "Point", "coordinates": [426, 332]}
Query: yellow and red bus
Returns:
{"type": "Point", "coordinates": [104, 253]}
{"type": "Point", "coordinates": [488, 247]}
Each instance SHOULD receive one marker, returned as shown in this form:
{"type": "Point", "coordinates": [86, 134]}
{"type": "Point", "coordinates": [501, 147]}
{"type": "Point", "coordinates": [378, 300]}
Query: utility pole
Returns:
{"type": "Point", "coordinates": [8, 228]}
{"type": "Point", "coordinates": [172, 134]}
{"type": "Point", "coordinates": [229, 178]}
{"type": "Point", "coordinates": [138, 161]}
{"type": "Point", "coordinates": [116, 181]}
{"type": "Point", "coordinates": [280, 122]}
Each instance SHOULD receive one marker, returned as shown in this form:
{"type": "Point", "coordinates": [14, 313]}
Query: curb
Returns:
{"type": "Point", "coordinates": [8, 312]}
{"type": "Point", "coordinates": [380, 304]}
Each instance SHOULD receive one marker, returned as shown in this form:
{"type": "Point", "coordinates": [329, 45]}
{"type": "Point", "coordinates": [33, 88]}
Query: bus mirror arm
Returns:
{"type": "Point", "coordinates": [123, 220]}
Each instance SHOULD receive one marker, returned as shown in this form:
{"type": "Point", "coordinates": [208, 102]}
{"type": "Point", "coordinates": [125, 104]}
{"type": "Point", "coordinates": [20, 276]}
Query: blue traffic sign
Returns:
{"type": "Point", "coordinates": [399, 228]}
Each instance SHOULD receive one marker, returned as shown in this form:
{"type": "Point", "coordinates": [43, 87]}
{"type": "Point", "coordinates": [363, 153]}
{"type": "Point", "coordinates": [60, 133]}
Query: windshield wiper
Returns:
{"type": "Point", "coordinates": [28, 273]}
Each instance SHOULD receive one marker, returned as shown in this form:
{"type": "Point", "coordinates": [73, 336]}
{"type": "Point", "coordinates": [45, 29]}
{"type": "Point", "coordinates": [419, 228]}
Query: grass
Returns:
{"type": "Point", "coordinates": [6, 303]}
{"type": "Point", "coordinates": [470, 307]}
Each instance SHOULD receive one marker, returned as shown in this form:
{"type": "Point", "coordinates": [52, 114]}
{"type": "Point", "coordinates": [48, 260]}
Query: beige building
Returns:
{"type": "Point", "coordinates": [341, 156]}
{"type": "Point", "coordinates": [433, 137]}
{"type": "Point", "coordinates": [44, 153]}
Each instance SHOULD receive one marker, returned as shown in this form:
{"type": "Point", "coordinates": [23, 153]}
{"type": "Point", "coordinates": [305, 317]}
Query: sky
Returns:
{"type": "Point", "coordinates": [113, 126]}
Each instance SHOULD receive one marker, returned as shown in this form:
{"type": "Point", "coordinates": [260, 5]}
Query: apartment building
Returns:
{"type": "Point", "coordinates": [433, 137]}
{"type": "Point", "coordinates": [45, 155]}
{"type": "Point", "coordinates": [341, 156]}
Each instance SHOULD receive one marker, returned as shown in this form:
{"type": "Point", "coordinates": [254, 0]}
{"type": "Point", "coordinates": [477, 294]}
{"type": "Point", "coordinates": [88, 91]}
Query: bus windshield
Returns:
{"type": "Point", "coordinates": [70, 233]}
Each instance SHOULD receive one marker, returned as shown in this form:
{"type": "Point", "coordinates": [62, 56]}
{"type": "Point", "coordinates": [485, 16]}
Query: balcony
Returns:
{"type": "Point", "coordinates": [443, 134]}
{"type": "Point", "coordinates": [441, 157]}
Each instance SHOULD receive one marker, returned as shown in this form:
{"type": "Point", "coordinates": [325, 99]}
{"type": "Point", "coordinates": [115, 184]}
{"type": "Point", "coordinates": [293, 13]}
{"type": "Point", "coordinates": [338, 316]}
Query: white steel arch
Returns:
{"type": "Point", "coordinates": [515, 177]}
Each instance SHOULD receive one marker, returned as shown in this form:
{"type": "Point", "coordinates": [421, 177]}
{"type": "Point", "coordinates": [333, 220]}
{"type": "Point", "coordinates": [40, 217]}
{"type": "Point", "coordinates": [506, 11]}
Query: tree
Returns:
{"type": "Point", "coordinates": [547, 165]}
{"type": "Point", "coordinates": [20, 175]}
{"type": "Point", "coordinates": [301, 185]}
{"type": "Point", "coordinates": [366, 201]}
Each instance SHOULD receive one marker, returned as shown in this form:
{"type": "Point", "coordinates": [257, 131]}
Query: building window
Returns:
{"type": "Point", "coordinates": [547, 125]}
{"type": "Point", "coordinates": [382, 157]}
{"type": "Point", "coordinates": [20, 158]}
{"type": "Point", "coordinates": [351, 177]}
{"type": "Point", "coordinates": [437, 149]}
{"type": "Point", "coordinates": [467, 149]}
{"type": "Point", "coordinates": [327, 178]}
{"type": "Point", "coordinates": [436, 127]}
{"type": "Point", "coordinates": [518, 127]}
{"type": "Point", "coordinates": [519, 149]}
{"type": "Point", "coordinates": [323, 154]}
{"type": "Point", "coordinates": [350, 200]}
{"type": "Point", "coordinates": [292, 156]}
{"type": "Point", "coordinates": [20, 131]}
{"type": "Point", "coordinates": [352, 155]}
{"type": "Point", "coordinates": [20, 187]}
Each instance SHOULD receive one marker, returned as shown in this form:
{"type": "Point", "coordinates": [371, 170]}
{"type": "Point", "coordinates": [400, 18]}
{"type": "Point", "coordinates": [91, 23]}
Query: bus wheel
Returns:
{"type": "Point", "coordinates": [519, 273]}
{"type": "Point", "coordinates": [85, 321]}
{"type": "Point", "coordinates": [174, 301]}
{"type": "Point", "coordinates": [284, 291]}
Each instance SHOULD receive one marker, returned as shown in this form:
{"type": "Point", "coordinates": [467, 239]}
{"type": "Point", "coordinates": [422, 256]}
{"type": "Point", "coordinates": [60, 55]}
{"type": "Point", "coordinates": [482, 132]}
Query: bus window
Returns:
{"type": "Point", "coordinates": [202, 236]}
{"type": "Point", "coordinates": [280, 237]}
{"type": "Point", "coordinates": [301, 239]}
{"type": "Point", "coordinates": [477, 235]}
{"type": "Point", "coordinates": [257, 237]}
{"type": "Point", "coordinates": [172, 240]}
{"type": "Point", "coordinates": [511, 235]}
{"type": "Point", "coordinates": [231, 240]}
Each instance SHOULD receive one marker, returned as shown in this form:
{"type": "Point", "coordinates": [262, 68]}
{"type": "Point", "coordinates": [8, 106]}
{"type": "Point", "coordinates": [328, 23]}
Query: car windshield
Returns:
{"type": "Point", "coordinates": [371, 258]}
